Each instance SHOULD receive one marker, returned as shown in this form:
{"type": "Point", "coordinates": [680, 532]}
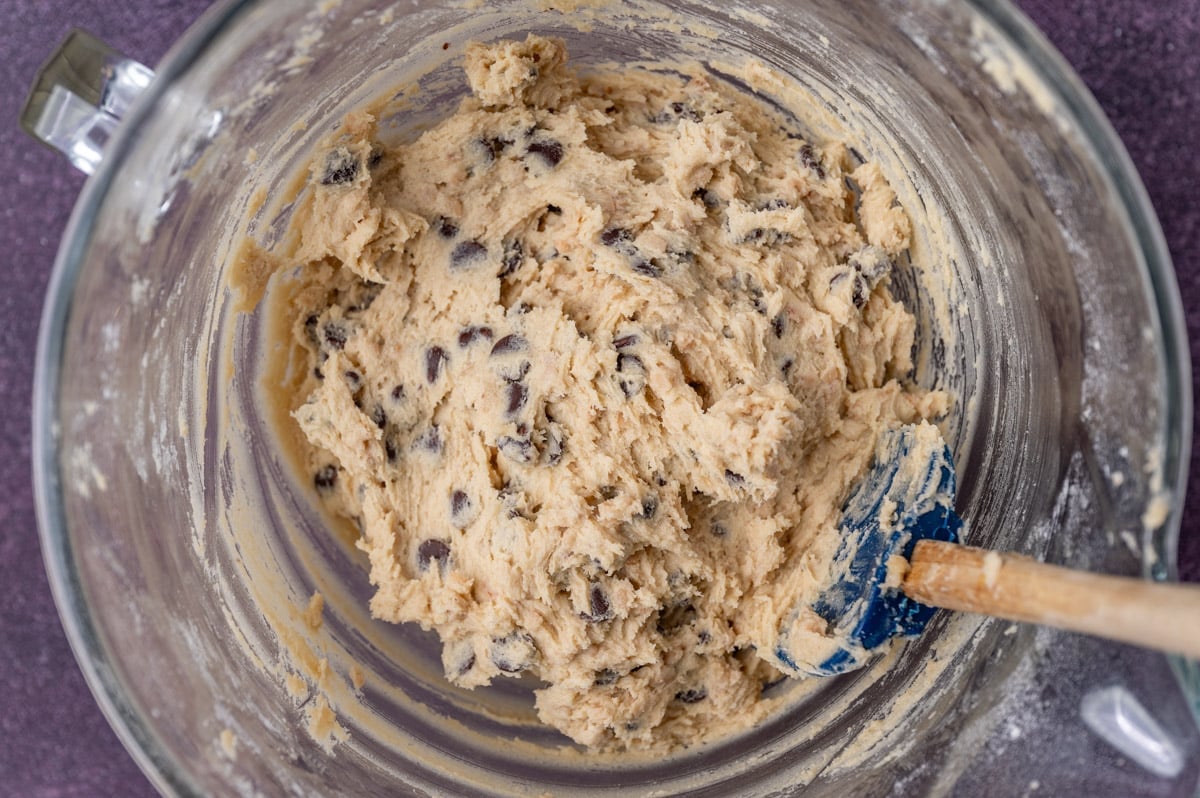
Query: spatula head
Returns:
{"type": "Point", "coordinates": [907, 495]}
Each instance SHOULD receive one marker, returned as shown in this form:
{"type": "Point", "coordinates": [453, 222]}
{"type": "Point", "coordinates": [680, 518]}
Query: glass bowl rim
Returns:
{"type": "Point", "coordinates": [136, 731]}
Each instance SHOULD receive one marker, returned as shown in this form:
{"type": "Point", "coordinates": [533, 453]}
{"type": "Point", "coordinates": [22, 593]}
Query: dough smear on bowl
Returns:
{"type": "Point", "coordinates": [594, 364]}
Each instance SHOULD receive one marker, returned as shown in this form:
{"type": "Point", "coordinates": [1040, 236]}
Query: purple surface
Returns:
{"type": "Point", "coordinates": [1140, 59]}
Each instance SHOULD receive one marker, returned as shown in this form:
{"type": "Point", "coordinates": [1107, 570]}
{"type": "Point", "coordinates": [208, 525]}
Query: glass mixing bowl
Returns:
{"type": "Point", "coordinates": [183, 554]}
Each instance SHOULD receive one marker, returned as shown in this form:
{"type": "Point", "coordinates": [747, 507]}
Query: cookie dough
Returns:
{"type": "Point", "coordinates": [594, 364]}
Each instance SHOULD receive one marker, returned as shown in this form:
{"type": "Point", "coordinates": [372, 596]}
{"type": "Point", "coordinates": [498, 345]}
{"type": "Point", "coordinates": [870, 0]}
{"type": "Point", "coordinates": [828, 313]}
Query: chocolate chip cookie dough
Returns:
{"type": "Point", "coordinates": [594, 363]}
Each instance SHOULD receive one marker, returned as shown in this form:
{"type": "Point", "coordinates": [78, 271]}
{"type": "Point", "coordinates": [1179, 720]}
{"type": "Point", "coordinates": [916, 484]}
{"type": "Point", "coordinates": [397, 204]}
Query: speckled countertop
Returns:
{"type": "Point", "coordinates": [1141, 59]}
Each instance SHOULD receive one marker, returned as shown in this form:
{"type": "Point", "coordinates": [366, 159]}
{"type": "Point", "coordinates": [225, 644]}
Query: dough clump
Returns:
{"type": "Point", "coordinates": [594, 363]}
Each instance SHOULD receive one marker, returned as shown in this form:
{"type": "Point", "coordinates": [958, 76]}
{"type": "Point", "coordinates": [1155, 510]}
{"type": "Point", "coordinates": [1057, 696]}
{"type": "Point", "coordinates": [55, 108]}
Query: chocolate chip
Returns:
{"type": "Point", "coordinates": [310, 327]}
{"type": "Point", "coordinates": [615, 235]}
{"type": "Point", "coordinates": [786, 366]}
{"type": "Point", "coordinates": [432, 550]}
{"type": "Point", "coordinates": [509, 344]}
{"type": "Point", "coordinates": [519, 450]}
{"type": "Point", "coordinates": [647, 268]}
{"type": "Point", "coordinates": [710, 199]}
{"type": "Point", "coordinates": [767, 236]}
{"type": "Point", "coordinates": [773, 205]}
{"type": "Point", "coordinates": [859, 292]}
{"type": "Point", "coordinates": [649, 507]}
{"type": "Point", "coordinates": [375, 157]}
{"type": "Point", "coordinates": [779, 324]}
{"type": "Point", "coordinates": [599, 608]}
{"type": "Point", "coordinates": [682, 256]}
{"type": "Point", "coordinates": [379, 416]}
{"type": "Point", "coordinates": [674, 111]}
{"type": "Point", "coordinates": [435, 361]}
{"type": "Point", "coordinates": [685, 111]}
{"type": "Point", "coordinates": [461, 507]}
{"type": "Point", "coordinates": [518, 395]}
{"type": "Point", "coordinates": [353, 379]}
{"type": "Point", "coordinates": [809, 158]}
{"type": "Point", "coordinates": [511, 498]}
{"type": "Point", "coordinates": [341, 167]}
{"type": "Point", "coordinates": [467, 254]}
{"type": "Point", "coordinates": [718, 529]}
{"type": "Point", "coordinates": [748, 283]}
{"type": "Point", "coordinates": [549, 150]}
{"type": "Point", "coordinates": [398, 393]}
{"type": "Point", "coordinates": [625, 341]}
{"type": "Point", "coordinates": [389, 448]}
{"type": "Point", "coordinates": [734, 479]}
{"type": "Point", "coordinates": [554, 209]}
{"type": "Point", "coordinates": [633, 374]}
{"type": "Point", "coordinates": [512, 653]}
{"type": "Point", "coordinates": [691, 695]}
{"type": "Point", "coordinates": [703, 637]}
{"type": "Point", "coordinates": [430, 441]}
{"type": "Point", "coordinates": [469, 335]}
{"type": "Point", "coordinates": [445, 227]}
{"type": "Point", "coordinates": [632, 386]}
{"type": "Point", "coordinates": [866, 267]}
{"type": "Point", "coordinates": [335, 335]}
{"type": "Point", "coordinates": [494, 146]}
{"type": "Point", "coordinates": [605, 677]}
{"type": "Point", "coordinates": [630, 364]}
{"type": "Point", "coordinates": [514, 255]}
{"type": "Point", "coordinates": [326, 478]}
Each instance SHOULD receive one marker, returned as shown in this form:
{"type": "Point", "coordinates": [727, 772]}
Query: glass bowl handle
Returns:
{"type": "Point", "coordinates": [79, 97]}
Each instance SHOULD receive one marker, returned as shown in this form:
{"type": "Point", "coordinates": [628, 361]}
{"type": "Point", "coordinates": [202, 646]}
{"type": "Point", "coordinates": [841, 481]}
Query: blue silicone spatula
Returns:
{"type": "Point", "coordinates": [899, 559]}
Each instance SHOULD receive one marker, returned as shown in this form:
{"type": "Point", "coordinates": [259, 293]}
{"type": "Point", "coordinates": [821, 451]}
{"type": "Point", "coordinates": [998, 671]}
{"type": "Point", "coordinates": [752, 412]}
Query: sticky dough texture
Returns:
{"type": "Point", "coordinates": [594, 363]}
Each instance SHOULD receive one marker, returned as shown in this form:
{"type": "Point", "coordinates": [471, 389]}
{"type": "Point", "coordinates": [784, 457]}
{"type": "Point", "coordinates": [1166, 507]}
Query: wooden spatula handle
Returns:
{"type": "Point", "coordinates": [1155, 615]}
